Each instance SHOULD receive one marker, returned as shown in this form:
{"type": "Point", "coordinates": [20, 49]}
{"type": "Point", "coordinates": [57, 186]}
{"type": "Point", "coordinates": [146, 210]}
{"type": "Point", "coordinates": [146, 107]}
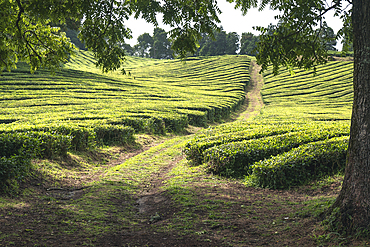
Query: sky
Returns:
{"type": "Point", "coordinates": [232, 20]}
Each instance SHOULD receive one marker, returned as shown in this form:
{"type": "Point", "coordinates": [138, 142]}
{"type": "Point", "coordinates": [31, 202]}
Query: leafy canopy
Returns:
{"type": "Point", "coordinates": [27, 33]}
{"type": "Point", "coordinates": [297, 40]}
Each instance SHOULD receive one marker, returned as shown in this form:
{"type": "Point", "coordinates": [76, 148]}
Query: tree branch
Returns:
{"type": "Point", "coordinates": [21, 11]}
{"type": "Point", "coordinates": [22, 35]}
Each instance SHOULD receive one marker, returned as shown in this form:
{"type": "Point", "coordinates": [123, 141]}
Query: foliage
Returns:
{"type": "Point", "coordinates": [161, 48]}
{"type": "Point", "coordinates": [299, 165]}
{"type": "Point", "coordinates": [327, 36]}
{"type": "Point", "coordinates": [220, 43]}
{"type": "Point", "coordinates": [248, 43]}
{"type": "Point", "coordinates": [144, 43]}
{"type": "Point", "coordinates": [157, 46]}
{"type": "Point", "coordinates": [73, 36]}
{"type": "Point", "coordinates": [28, 35]}
{"type": "Point", "coordinates": [295, 42]}
{"type": "Point", "coordinates": [16, 152]}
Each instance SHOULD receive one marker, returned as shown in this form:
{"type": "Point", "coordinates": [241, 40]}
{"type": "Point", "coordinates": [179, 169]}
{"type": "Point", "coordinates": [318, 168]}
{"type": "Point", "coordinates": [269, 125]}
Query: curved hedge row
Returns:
{"type": "Point", "coordinates": [233, 154]}
{"type": "Point", "coordinates": [194, 149]}
{"type": "Point", "coordinates": [17, 149]}
{"type": "Point", "coordinates": [16, 153]}
{"type": "Point", "coordinates": [299, 165]}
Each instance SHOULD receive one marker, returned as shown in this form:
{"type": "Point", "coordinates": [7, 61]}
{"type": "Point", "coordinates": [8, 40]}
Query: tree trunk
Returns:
{"type": "Point", "coordinates": [353, 201]}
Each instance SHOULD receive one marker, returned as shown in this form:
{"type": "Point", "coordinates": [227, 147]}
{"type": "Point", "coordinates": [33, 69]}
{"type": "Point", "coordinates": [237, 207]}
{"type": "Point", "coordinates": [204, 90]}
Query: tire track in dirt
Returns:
{"type": "Point", "coordinates": [154, 199]}
{"type": "Point", "coordinates": [152, 195]}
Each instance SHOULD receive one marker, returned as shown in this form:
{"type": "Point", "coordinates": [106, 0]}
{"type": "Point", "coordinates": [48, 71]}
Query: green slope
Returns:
{"type": "Point", "coordinates": [327, 95]}
{"type": "Point", "coordinates": [300, 135]}
{"type": "Point", "coordinates": [195, 92]}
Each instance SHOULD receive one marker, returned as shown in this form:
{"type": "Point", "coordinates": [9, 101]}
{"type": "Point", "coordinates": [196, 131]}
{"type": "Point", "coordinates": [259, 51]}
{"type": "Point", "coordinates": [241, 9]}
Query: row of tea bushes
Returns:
{"type": "Point", "coordinates": [157, 96]}
{"type": "Point", "coordinates": [242, 131]}
{"type": "Point", "coordinates": [81, 137]}
{"type": "Point", "coordinates": [233, 153]}
{"type": "Point", "coordinates": [18, 148]}
{"type": "Point", "coordinates": [194, 149]}
{"type": "Point", "coordinates": [302, 164]}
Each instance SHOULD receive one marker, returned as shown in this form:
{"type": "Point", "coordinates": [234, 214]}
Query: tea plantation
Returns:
{"type": "Point", "coordinates": [300, 135]}
{"type": "Point", "coordinates": [46, 115]}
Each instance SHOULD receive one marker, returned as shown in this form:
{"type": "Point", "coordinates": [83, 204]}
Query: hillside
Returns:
{"type": "Point", "coordinates": [151, 193]}
{"type": "Point", "coordinates": [326, 95]}
{"type": "Point", "coordinates": [171, 93]}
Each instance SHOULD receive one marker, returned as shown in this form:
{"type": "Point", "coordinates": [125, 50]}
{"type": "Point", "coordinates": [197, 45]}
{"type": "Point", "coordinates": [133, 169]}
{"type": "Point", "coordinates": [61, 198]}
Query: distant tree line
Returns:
{"type": "Point", "coordinates": [221, 43]}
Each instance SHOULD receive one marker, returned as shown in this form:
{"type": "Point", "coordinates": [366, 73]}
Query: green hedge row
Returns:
{"type": "Point", "coordinates": [16, 152]}
{"type": "Point", "coordinates": [195, 148]}
{"type": "Point", "coordinates": [201, 116]}
{"type": "Point", "coordinates": [114, 134]}
{"type": "Point", "coordinates": [154, 124]}
{"type": "Point", "coordinates": [82, 137]}
{"type": "Point", "coordinates": [234, 159]}
{"type": "Point", "coordinates": [302, 164]}
{"type": "Point", "coordinates": [17, 149]}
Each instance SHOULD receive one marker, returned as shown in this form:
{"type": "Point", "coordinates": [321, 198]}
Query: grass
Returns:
{"type": "Point", "coordinates": [150, 195]}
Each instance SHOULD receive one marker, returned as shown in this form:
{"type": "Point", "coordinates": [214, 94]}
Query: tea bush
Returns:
{"type": "Point", "coordinates": [299, 165]}
{"type": "Point", "coordinates": [16, 152]}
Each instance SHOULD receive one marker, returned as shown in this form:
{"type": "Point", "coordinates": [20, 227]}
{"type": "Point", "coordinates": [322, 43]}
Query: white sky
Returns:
{"type": "Point", "coordinates": [232, 20]}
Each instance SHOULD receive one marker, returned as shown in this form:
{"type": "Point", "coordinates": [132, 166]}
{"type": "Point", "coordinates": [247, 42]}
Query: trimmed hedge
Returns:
{"type": "Point", "coordinates": [52, 145]}
{"type": "Point", "coordinates": [231, 133]}
{"type": "Point", "coordinates": [234, 159]}
{"type": "Point", "coordinates": [302, 164]}
{"type": "Point", "coordinates": [194, 149]}
{"type": "Point", "coordinates": [17, 149]}
{"type": "Point", "coordinates": [114, 134]}
{"type": "Point", "coordinates": [154, 125]}
{"type": "Point", "coordinates": [16, 152]}
{"type": "Point", "coordinates": [82, 137]}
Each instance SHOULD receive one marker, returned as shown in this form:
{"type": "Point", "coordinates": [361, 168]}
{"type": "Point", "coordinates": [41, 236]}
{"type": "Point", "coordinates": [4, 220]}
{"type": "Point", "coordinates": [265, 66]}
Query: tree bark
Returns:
{"type": "Point", "coordinates": [353, 201]}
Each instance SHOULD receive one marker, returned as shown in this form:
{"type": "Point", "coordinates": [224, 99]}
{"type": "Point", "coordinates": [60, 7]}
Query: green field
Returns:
{"type": "Point", "coordinates": [171, 93]}
{"type": "Point", "coordinates": [300, 135]}
{"type": "Point", "coordinates": [47, 115]}
{"type": "Point", "coordinates": [152, 186]}
{"type": "Point", "coordinates": [325, 96]}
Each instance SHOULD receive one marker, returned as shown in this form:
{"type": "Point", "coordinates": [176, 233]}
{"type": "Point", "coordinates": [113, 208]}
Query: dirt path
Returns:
{"type": "Point", "coordinates": [254, 102]}
{"type": "Point", "coordinates": [208, 211]}
{"type": "Point", "coordinates": [152, 195]}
